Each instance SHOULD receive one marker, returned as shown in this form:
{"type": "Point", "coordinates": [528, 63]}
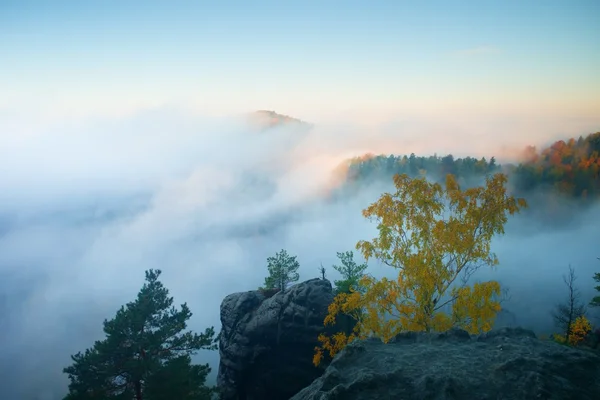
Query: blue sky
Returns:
{"type": "Point", "coordinates": [303, 58]}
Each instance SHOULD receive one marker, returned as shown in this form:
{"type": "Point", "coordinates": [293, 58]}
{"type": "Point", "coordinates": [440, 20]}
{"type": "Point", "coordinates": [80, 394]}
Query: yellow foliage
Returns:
{"type": "Point", "coordinates": [579, 330]}
{"type": "Point", "coordinates": [332, 345]}
{"type": "Point", "coordinates": [558, 338]}
{"type": "Point", "coordinates": [432, 235]}
{"type": "Point", "coordinates": [474, 308]}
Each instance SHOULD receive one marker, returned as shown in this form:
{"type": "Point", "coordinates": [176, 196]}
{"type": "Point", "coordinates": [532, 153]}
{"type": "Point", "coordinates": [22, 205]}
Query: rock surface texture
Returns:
{"type": "Point", "coordinates": [509, 363]}
{"type": "Point", "coordinates": [267, 343]}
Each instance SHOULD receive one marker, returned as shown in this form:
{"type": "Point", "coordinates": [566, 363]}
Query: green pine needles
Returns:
{"type": "Point", "coordinates": [146, 354]}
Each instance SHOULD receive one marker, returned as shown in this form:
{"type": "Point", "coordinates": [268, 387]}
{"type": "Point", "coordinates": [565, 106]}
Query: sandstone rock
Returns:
{"type": "Point", "coordinates": [267, 343]}
{"type": "Point", "coordinates": [508, 363]}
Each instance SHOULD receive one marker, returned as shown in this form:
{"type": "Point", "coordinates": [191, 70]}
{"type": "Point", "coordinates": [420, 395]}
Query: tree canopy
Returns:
{"type": "Point", "coordinates": [146, 353]}
{"type": "Point", "coordinates": [351, 273]}
{"type": "Point", "coordinates": [571, 167]}
{"type": "Point", "coordinates": [282, 271]}
{"type": "Point", "coordinates": [432, 235]}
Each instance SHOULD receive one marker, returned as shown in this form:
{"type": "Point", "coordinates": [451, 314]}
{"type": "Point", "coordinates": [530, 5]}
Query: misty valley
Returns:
{"type": "Point", "coordinates": [216, 229]}
{"type": "Point", "coordinates": [296, 200]}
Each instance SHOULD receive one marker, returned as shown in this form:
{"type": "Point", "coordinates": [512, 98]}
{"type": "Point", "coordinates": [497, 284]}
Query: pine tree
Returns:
{"type": "Point", "coordinates": [145, 355]}
{"type": "Point", "coordinates": [282, 271]}
{"type": "Point", "coordinates": [350, 271]}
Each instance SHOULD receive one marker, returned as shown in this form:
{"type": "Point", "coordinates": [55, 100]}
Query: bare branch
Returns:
{"type": "Point", "coordinates": [566, 313]}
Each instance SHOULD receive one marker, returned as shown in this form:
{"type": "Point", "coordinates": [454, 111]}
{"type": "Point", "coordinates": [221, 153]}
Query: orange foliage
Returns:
{"type": "Point", "coordinates": [577, 332]}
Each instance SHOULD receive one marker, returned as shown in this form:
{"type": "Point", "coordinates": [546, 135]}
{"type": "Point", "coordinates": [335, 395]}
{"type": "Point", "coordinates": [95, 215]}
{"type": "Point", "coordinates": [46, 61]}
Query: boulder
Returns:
{"type": "Point", "coordinates": [267, 341]}
{"type": "Point", "coordinates": [508, 363]}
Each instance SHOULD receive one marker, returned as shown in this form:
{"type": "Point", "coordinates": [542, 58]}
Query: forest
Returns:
{"type": "Point", "coordinates": [570, 167]}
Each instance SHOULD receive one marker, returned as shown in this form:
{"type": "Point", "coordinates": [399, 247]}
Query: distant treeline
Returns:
{"type": "Point", "coordinates": [571, 168]}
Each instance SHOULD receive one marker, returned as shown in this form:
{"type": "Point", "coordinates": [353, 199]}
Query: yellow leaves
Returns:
{"type": "Point", "coordinates": [558, 338]}
{"type": "Point", "coordinates": [433, 235]}
{"type": "Point", "coordinates": [332, 345]}
{"type": "Point", "coordinates": [579, 330]}
{"type": "Point", "coordinates": [475, 308]}
{"type": "Point", "coordinates": [366, 249]}
{"type": "Point", "coordinates": [441, 322]}
{"type": "Point", "coordinates": [452, 185]}
{"type": "Point", "coordinates": [318, 357]}
{"type": "Point", "coordinates": [340, 304]}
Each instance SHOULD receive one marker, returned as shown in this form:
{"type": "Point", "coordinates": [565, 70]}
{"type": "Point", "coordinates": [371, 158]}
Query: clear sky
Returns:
{"type": "Point", "coordinates": [302, 58]}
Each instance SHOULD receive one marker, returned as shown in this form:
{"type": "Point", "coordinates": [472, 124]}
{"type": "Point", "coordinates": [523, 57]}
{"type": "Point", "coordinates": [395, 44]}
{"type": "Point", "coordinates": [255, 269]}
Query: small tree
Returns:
{"type": "Point", "coordinates": [282, 271]}
{"type": "Point", "coordinates": [350, 271]}
{"type": "Point", "coordinates": [322, 271]}
{"type": "Point", "coordinates": [579, 330]}
{"type": "Point", "coordinates": [146, 354]}
{"type": "Point", "coordinates": [565, 314]}
{"type": "Point", "coordinates": [433, 236]}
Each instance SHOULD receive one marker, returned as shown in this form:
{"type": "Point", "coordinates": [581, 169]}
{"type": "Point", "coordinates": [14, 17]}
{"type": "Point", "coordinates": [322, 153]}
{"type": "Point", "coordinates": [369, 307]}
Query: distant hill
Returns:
{"type": "Point", "coordinates": [265, 120]}
{"type": "Point", "coordinates": [570, 167]}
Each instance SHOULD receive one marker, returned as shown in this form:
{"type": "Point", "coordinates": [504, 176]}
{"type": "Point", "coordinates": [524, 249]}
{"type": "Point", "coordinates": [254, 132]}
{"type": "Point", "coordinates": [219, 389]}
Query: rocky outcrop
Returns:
{"type": "Point", "coordinates": [509, 363]}
{"type": "Point", "coordinates": [267, 343]}
{"type": "Point", "coordinates": [505, 319]}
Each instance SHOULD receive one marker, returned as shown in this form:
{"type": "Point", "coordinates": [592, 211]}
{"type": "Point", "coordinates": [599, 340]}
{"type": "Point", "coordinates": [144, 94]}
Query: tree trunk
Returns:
{"type": "Point", "coordinates": [138, 390]}
{"type": "Point", "coordinates": [571, 307]}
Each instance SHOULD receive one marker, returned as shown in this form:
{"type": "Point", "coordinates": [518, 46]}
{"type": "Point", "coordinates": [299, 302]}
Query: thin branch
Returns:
{"type": "Point", "coordinates": [444, 303]}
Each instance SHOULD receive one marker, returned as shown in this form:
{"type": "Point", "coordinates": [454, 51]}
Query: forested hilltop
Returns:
{"type": "Point", "coordinates": [569, 167]}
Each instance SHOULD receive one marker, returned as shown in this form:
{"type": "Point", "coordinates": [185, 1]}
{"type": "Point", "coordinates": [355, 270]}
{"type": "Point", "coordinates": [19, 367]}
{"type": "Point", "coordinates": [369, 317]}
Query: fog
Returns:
{"type": "Point", "coordinates": [86, 207]}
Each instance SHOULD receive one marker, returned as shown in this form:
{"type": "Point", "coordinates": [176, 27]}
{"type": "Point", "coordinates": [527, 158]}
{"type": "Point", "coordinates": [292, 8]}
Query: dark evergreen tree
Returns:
{"type": "Point", "coordinates": [282, 271]}
{"type": "Point", "coordinates": [351, 273]}
{"type": "Point", "coordinates": [145, 355]}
